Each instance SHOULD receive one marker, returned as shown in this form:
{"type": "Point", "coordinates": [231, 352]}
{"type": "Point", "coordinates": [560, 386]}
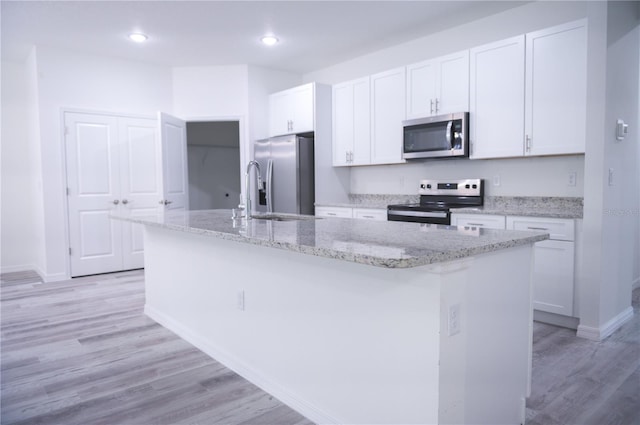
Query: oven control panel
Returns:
{"type": "Point", "coordinates": [468, 187]}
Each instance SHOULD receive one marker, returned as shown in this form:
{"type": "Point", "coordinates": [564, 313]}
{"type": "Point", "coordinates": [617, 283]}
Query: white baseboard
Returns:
{"type": "Point", "coordinates": [598, 334]}
{"type": "Point", "coordinates": [19, 268]}
{"type": "Point", "coordinates": [303, 407]}
{"type": "Point", "coordinates": [54, 277]}
{"type": "Point", "coordinates": [556, 319]}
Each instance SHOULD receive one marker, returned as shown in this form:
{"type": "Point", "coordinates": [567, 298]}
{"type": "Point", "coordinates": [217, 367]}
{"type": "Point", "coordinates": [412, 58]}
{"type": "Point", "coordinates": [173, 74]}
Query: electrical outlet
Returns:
{"type": "Point", "coordinates": [496, 180]}
{"type": "Point", "coordinates": [454, 319]}
{"type": "Point", "coordinates": [572, 178]}
{"type": "Point", "coordinates": [611, 177]}
{"type": "Point", "coordinates": [241, 300]}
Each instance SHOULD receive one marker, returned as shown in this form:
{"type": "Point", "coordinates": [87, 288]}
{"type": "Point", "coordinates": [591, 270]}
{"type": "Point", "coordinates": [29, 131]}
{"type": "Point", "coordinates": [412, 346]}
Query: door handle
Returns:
{"type": "Point", "coordinates": [448, 135]}
{"type": "Point", "coordinates": [125, 202]}
{"type": "Point", "coordinates": [165, 202]}
{"type": "Point", "coordinates": [270, 186]}
{"type": "Point", "coordinates": [116, 202]}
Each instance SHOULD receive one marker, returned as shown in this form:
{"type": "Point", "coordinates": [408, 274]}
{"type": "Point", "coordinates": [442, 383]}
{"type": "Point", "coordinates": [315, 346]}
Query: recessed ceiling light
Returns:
{"type": "Point", "coordinates": [269, 40]}
{"type": "Point", "coordinates": [138, 37]}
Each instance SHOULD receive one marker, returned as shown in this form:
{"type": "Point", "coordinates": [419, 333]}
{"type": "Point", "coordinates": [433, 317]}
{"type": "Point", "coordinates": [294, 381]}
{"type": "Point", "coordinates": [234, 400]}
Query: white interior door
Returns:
{"type": "Point", "coordinates": [93, 193]}
{"type": "Point", "coordinates": [175, 174]}
{"type": "Point", "coordinates": [140, 182]}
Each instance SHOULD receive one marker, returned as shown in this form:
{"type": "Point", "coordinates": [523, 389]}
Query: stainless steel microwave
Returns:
{"type": "Point", "coordinates": [442, 136]}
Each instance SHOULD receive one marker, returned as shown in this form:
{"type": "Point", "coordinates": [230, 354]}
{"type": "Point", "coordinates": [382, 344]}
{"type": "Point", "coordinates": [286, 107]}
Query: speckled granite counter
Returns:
{"type": "Point", "coordinates": [530, 206]}
{"type": "Point", "coordinates": [383, 244]}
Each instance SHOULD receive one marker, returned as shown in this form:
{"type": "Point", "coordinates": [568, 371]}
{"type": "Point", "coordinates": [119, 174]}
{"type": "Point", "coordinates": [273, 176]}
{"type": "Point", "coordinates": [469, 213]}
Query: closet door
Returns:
{"type": "Point", "coordinates": [140, 178]}
{"type": "Point", "coordinates": [175, 172]}
{"type": "Point", "coordinates": [93, 187]}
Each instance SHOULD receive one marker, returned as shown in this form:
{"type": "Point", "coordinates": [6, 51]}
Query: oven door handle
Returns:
{"type": "Point", "coordinates": [433, 214]}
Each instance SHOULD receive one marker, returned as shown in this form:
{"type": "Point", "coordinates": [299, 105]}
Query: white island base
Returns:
{"type": "Point", "coordinates": [351, 343]}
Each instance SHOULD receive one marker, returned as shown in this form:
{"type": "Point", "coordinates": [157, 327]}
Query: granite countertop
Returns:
{"type": "Point", "coordinates": [530, 206]}
{"type": "Point", "coordinates": [376, 243]}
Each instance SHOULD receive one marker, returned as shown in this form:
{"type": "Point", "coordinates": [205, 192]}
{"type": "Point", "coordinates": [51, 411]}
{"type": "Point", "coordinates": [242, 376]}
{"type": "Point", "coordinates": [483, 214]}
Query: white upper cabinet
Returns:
{"type": "Point", "coordinates": [351, 123]}
{"type": "Point", "coordinates": [387, 114]}
{"type": "Point", "coordinates": [496, 110]}
{"type": "Point", "coordinates": [291, 111]}
{"type": "Point", "coordinates": [438, 86]}
{"type": "Point", "coordinates": [556, 95]}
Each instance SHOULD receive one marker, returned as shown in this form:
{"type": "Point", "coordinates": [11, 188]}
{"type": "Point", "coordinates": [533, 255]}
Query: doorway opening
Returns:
{"type": "Point", "coordinates": [213, 152]}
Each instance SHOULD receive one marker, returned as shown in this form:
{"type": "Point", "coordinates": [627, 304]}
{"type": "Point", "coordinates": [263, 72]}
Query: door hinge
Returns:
{"type": "Point", "coordinates": [66, 130]}
{"type": "Point", "coordinates": [67, 191]}
{"type": "Point", "coordinates": [69, 251]}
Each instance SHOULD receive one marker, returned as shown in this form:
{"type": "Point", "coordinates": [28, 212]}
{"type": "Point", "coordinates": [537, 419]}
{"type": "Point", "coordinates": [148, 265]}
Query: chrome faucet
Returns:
{"type": "Point", "coordinates": [247, 203]}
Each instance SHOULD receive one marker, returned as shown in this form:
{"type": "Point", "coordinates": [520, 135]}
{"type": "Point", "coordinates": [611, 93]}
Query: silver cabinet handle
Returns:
{"type": "Point", "coordinates": [537, 228]}
{"type": "Point", "coordinates": [437, 106]}
{"type": "Point", "coordinates": [346, 156]}
{"type": "Point", "coordinates": [330, 213]}
{"type": "Point", "coordinates": [431, 102]}
{"type": "Point", "coordinates": [527, 143]}
{"type": "Point", "coordinates": [368, 216]}
{"type": "Point", "coordinates": [116, 202]}
{"type": "Point", "coordinates": [475, 224]}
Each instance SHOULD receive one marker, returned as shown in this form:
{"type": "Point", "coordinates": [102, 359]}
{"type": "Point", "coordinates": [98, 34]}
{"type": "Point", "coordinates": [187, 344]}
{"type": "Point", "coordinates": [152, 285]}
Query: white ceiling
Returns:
{"type": "Point", "coordinates": [313, 34]}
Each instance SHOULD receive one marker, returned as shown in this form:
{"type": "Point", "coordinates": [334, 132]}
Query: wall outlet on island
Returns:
{"type": "Point", "coordinates": [572, 178]}
{"type": "Point", "coordinates": [240, 300]}
{"type": "Point", "coordinates": [454, 319]}
{"type": "Point", "coordinates": [496, 180]}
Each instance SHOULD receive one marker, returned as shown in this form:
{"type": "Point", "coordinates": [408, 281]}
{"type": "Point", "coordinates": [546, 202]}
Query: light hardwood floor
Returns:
{"type": "Point", "coordinates": [83, 352]}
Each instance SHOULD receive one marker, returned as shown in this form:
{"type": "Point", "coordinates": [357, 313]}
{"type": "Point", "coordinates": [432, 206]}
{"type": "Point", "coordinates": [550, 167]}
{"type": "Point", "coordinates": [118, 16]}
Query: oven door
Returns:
{"type": "Point", "coordinates": [441, 136]}
{"type": "Point", "coordinates": [415, 215]}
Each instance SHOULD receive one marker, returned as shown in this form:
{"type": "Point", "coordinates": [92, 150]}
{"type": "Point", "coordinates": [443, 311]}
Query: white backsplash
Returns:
{"type": "Point", "coordinates": [535, 176]}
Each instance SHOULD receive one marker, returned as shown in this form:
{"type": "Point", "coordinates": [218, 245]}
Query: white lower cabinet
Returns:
{"type": "Point", "coordinates": [488, 221]}
{"type": "Point", "coordinates": [553, 271]}
{"type": "Point", "coordinates": [343, 212]}
{"type": "Point", "coordinates": [346, 212]}
{"type": "Point", "coordinates": [370, 214]}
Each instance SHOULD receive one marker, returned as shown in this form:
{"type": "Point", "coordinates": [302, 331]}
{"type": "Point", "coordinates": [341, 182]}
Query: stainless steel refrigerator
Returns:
{"type": "Point", "coordinates": [287, 171]}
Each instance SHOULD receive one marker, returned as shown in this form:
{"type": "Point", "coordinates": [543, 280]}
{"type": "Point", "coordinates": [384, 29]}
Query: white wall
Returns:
{"type": "Point", "coordinates": [611, 218]}
{"type": "Point", "coordinates": [69, 80]}
{"type": "Point", "coordinates": [522, 176]}
{"type": "Point", "coordinates": [21, 231]}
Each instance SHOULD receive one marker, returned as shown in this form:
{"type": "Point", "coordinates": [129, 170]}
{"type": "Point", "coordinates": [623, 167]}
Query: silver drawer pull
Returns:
{"type": "Point", "coordinates": [475, 224]}
{"type": "Point", "coordinates": [537, 228]}
{"type": "Point", "coordinates": [329, 213]}
{"type": "Point", "coordinates": [368, 216]}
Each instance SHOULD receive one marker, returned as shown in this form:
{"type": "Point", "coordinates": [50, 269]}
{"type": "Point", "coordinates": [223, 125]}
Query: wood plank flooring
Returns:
{"type": "Point", "coordinates": [82, 352]}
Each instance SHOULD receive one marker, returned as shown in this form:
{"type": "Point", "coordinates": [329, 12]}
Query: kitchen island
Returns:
{"type": "Point", "coordinates": [352, 321]}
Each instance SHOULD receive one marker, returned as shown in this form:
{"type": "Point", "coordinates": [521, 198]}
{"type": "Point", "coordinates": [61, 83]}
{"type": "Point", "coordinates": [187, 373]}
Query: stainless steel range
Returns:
{"type": "Point", "coordinates": [437, 198]}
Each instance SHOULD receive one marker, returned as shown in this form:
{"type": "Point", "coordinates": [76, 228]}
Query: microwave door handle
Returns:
{"type": "Point", "coordinates": [448, 136]}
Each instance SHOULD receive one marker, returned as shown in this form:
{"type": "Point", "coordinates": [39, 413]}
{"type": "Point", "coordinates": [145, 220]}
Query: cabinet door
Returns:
{"type": "Point", "coordinates": [279, 114]}
{"type": "Point", "coordinates": [361, 122]}
{"type": "Point", "coordinates": [556, 97]}
{"type": "Point", "coordinates": [300, 108]}
{"type": "Point", "coordinates": [421, 89]}
{"type": "Point", "coordinates": [479, 220]}
{"type": "Point", "coordinates": [343, 123]}
{"type": "Point", "coordinates": [453, 83]}
{"type": "Point", "coordinates": [553, 277]}
{"type": "Point", "coordinates": [497, 99]}
{"type": "Point", "coordinates": [387, 114]}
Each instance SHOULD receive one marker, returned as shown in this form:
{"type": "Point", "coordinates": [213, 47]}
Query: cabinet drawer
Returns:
{"type": "Point", "coordinates": [334, 212]}
{"type": "Point", "coordinates": [370, 214]}
{"type": "Point", "coordinates": [479, 220]}
{"type": "Point", "coordinates": [560, 229]}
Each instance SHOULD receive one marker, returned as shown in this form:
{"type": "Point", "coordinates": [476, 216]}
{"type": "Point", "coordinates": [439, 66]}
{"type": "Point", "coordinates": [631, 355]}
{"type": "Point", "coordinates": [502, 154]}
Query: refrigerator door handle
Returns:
{"type": "Point", "coordinates": [269, 186]}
